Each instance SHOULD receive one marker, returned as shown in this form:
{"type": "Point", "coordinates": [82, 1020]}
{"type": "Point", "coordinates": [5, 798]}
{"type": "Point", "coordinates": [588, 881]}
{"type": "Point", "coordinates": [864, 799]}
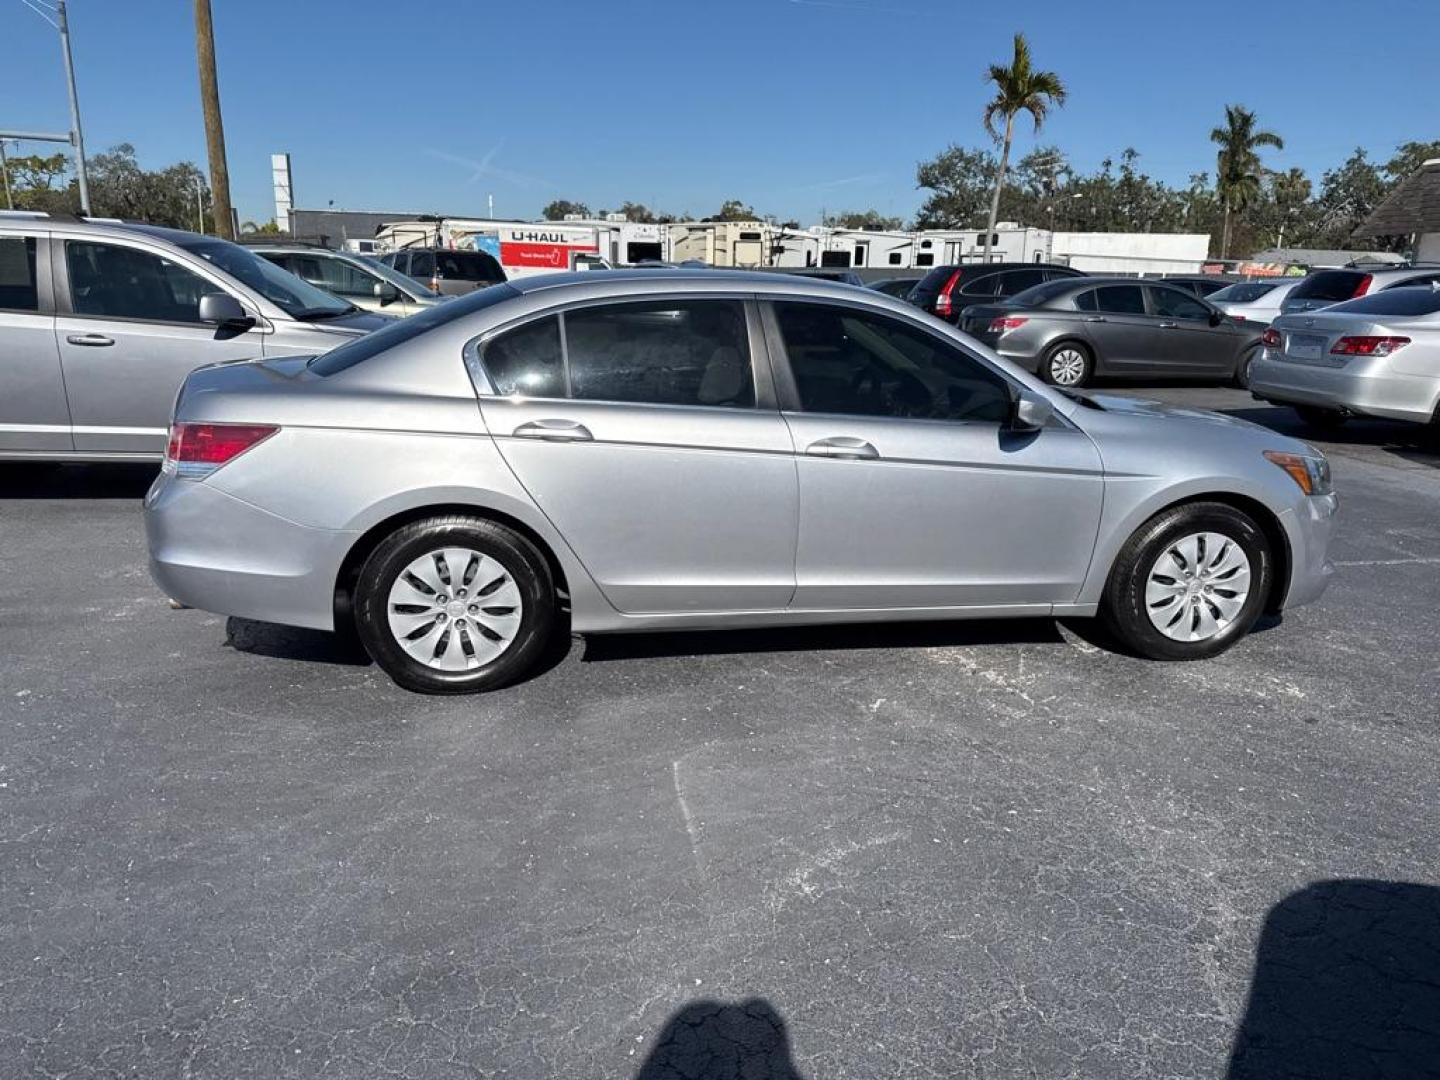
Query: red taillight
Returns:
{"type": "Point", "coordinates": [1363, 286]}
{"type": "Point", "coordinates": [197, 450]}
{"type": "Point", "coordinates": [1367, 345]}
{"type": "Point", "coordinates": [1007, 322]}
{"type": "Point", "coordinates": [943, 305]}
{"type": "Point", "coordinates": [1271, 338]}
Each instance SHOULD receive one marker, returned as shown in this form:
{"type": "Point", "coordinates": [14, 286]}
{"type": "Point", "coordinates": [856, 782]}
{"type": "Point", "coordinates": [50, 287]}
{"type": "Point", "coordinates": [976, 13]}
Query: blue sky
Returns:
{"type": "Point", "coordinates": [791, 105]}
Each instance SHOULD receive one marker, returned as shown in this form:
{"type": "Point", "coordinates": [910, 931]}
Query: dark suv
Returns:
{"type": "Point", "coordinates": [451, 273]}
{"type": "Point", "coordinates": [946, 290]}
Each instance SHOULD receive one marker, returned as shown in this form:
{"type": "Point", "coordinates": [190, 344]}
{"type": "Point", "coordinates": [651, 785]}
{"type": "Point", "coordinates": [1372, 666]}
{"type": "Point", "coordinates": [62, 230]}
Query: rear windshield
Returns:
{"type": "Point", "coordinates": [403, 330]}
{"type": "Point", "coordinates": [1329, 285]}
{"type": "Point", "coordinates": [1042, 294]}
{"type": "Point", "coordinates": [1243, 292]}
{"type": "Point", "coordinates": [1404, 300]}
{"type": "Point", "coordinates": [468, 266]}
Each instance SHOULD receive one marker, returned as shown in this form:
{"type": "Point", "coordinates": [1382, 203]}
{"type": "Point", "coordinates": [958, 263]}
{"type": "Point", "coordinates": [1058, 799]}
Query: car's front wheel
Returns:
{"type": "Point", "coordinates": [1190, 582]}
{"type": "Point", "coordinates": [1067, 364]}
{"type": "Point", "coordinates": [455, 605]}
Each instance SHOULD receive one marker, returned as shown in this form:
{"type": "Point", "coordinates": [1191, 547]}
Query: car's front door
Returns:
{"type": "Point", "coordinates": [129, 332]}
{"type": "Point", "coordinates": [914, 491]}
{"type": "Point", "coordinates": [1118, 325]}
{"type": "Point", "coordinates": [644, 433]}
{"type": "Point", "coordinates": [33, 413]}
{"type": "Point", "coordinates": [1187, 342]}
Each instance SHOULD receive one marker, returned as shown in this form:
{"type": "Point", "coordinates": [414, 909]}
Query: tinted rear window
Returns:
{"type": "Point", "coordinates": [468, 266]}
{"type": "Point", "coordinates": [1416, 300]}
{"type": "Point", "coordinates": [403, 330]}
{"type": "Point", "coordinates": [1329, 285]}
{"type": "Point", "coordinates": [1243, 292]}
{"type": "Point", "coordinates": [932, 281]}
{"type": "Point", "coordinates": [1042, 294]}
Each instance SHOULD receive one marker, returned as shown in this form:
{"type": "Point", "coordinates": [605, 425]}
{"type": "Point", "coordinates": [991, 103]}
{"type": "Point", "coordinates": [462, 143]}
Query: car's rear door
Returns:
{"type": "Point", "coordinates": [648, 435]}
{"type": "Point", "coordinates": [34, 415]}
{"type": "Point", "coordinates": [129, 332]}
{"type": "Point", "coordinates": [914, 492]}
{"type": "Point", "coordinates": [1118, 325]}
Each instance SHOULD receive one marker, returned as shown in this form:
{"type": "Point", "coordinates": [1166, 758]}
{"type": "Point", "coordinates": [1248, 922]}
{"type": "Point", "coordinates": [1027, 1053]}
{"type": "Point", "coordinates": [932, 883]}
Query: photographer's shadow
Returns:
{"type": "Point", "coordinates": [1346, 985]}
{"type": "Point", "coordinates": [708, 1040]}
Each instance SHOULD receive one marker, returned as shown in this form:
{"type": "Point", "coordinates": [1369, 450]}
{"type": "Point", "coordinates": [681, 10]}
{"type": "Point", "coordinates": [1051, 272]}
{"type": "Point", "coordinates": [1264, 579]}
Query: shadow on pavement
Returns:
{"type": "Point", "coordinates": [602, 647]}
{"type": "Point", "coordinates": [293, 643]}
{"type": "Point", "coordinates": [47, 481]}
{"type": "Point", "coordinates": [708, 1040]}
{"type": "Point", "coordinates": [1409, 441]}
{"type": "Point", "coordinates": [1346, 984]}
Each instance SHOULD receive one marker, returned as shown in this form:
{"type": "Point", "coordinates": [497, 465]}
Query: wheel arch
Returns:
{"type": "Point", "coordinates": [1071, 337]}
{"type": "Point", "coordinates": [349, 571]}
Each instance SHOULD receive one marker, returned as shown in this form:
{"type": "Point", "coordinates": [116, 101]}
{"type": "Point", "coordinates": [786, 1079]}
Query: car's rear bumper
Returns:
{"type": "Point", "coordinates": [1370, 387]}
{"type": "Point", "coordinates": [215, 552]}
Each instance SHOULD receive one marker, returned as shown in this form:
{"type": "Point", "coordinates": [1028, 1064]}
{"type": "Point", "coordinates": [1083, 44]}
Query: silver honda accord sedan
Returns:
{"type": "Point", "coordinates": [675, 450]}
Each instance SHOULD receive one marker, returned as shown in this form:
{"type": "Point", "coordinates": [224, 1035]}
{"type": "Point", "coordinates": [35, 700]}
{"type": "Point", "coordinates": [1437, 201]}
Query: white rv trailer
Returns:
{"type": "Point", "coordinates": [721, 243]}
{"type": "Point", "coordinates": [625, 243]}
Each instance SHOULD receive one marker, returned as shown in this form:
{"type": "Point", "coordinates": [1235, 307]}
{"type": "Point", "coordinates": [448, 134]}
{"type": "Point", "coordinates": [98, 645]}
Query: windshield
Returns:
{"type": "Point", "coordinates": [298, 299]}
{"type": "Point", "coordinates": [402, 330]}
{"type": "Point", "coordinates": [1243, 292]}
{"type": "Point", "coordinates": [407, 285]}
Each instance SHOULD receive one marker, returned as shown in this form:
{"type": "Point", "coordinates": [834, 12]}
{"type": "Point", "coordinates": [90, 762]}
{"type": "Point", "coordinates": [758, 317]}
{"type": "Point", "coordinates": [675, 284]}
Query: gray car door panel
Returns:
{"type": "Point", "coordinates": [670, 507]}
{"type": "Point", "coordinates": [122, 372]}
{"type": "Point", "coordinates": [906, 512]}
{"type": "Point", "coordinates": [34, 415]}
{"type": "Point", "coordinates": [1187, 343]}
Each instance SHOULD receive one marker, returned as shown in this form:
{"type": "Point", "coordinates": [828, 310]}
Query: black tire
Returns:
{"type": "Point", "coordinates": [1242, 369]}
{"type": "Point", "coordinates": [1124, 607]}
{"type": "Point", "coordinates": [1051, 361]}
{"type": "Point", "coordinates": [526, 567]}
{"type": "Point", "coordinates": [1320, 419]}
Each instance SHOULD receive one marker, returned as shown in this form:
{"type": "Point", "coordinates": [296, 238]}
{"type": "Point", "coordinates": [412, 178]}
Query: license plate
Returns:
{"type": "Point", "coordinates": [1305, 347]}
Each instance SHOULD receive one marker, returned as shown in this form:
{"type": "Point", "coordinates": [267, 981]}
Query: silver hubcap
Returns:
{"type": "Point", "coordinates": [454, 609]}
{"type": "Point", "coordinates": [1197, 587]}
{"type": "Point", "coordinates": [1067, 367]}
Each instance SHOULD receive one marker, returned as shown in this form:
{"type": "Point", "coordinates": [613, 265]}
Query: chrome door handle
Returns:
{"type": "Point", "coordinates": [842, 446]}
{"type": "Point", "coordinates": [1095, 318]}
{"type": "Point", "coordinates": [1169, 326]}
{"type": "Point", "coordinates": [89, 339]}
{"type": "Point", "coordinates": [554, 431]}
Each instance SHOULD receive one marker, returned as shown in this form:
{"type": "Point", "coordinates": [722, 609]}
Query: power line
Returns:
{"type": "Point", "coordinates": [33, 5]}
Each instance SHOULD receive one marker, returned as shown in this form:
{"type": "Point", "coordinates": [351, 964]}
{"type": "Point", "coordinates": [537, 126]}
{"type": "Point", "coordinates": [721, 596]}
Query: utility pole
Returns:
{"type": "Point", "coordinates": [75, 135]}
{"type": "Point", "coordinates": [5, 172]}
{"type": "Point", "coordinates": [214, 127]}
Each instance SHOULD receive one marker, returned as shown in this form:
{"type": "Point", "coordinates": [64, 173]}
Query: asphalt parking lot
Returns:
{"type": "Point", "coordinates": [983, 849]}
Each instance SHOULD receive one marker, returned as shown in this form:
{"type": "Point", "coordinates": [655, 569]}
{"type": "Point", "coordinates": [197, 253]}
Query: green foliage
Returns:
{"type": "Point", "coordinates": [733, 210]}
{"type": "Point", "coordinates": [119, 187]}
{"type": "Point", "coordinates": [862, 219]}
{"type": "Point", "coordinates": [561, 208]}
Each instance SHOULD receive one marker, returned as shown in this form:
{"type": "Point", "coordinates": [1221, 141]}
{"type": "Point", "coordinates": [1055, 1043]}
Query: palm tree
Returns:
{"type": "Point", "coordinates": [1237, 166]}
{"type": "Point", "coordinates": [1018, 88]}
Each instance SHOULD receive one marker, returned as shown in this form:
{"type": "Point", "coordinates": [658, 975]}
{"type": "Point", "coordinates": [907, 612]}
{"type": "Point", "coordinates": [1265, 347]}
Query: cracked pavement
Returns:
{"type": "Point", "coordinates": [979, 849]}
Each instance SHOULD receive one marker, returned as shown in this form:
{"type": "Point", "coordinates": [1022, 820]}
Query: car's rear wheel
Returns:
{"type": "Point", "coordinates": [1067, 364]}
{"type": "Point", "coordinates": [1190, 582]}
{"type": "Point", "coordinates": [455, 605]}
{"type": "Point", "coordinates": [1320, 419]}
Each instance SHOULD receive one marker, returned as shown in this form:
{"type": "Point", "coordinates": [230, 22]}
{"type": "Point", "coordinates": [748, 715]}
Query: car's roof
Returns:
{"type": "Point", "coordinates": [719, 279]}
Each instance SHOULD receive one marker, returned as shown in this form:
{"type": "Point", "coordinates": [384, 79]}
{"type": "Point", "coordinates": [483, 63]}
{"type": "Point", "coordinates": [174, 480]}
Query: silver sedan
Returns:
{"type": "Point", "coordinates": [677, 450]}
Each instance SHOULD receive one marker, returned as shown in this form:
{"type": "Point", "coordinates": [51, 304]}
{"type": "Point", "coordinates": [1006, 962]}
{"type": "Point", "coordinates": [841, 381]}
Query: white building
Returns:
{"type": "Point", "coordinates": [1132, 253]}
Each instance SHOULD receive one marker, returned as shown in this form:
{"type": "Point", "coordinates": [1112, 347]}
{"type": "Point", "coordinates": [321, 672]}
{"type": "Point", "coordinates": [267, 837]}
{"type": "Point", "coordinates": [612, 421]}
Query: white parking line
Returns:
{"type": "Point", "coordinates": [1416, 561]}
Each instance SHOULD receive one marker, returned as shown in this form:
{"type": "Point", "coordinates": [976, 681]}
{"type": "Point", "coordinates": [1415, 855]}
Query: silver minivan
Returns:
{"type": "Point", "coordinates": [363, 280]}
{"type": "Point", "coordinates": [100, 322]}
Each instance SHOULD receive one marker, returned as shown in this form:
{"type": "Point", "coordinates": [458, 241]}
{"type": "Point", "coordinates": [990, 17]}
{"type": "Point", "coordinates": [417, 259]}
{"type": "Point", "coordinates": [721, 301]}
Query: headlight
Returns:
{"type": "Point", "coordinates": [1311, 473]}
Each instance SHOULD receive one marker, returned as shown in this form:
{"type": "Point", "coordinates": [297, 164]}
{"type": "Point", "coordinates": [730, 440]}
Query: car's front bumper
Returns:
{"type": "Point", "coordinates": [1369, 386]}
{"type": "Point", "coordinates": [215, 552]}
{"type": "Point", "coordinates": [1308, 528]}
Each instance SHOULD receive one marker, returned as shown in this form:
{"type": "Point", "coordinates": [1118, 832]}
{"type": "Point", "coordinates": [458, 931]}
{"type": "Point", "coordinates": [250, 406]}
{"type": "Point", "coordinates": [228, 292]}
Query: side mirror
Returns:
{"type": "Point", "coordinates": [1031, 411]}
{"type": "Point", "coordinates": [222, 309]}
{"type": "Point", "coordinates": [386, 293]}
{"type": "Point", "coordinates": [1216, 317]}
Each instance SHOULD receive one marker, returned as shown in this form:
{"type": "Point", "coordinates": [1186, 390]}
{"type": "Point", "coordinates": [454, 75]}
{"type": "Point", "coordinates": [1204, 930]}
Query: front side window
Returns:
{"type": "Point", "coordinates": [1174, 304]}
{"type": "Point", "coordinates": [19, 290]}
{"type": "Point", "coordinates": [867, 364]}
{"type": "Point", "coordinates": [667, 352]}
{"type": "Point", "coordinates": [120, 282]}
